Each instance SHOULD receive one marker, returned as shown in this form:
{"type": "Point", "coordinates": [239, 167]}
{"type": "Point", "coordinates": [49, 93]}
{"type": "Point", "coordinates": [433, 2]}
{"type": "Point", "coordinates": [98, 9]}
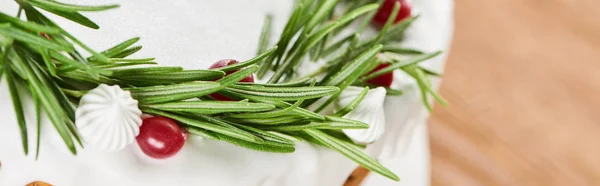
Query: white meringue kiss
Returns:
{"type": "Point", "coordinates": [370, 111]}
{"type": "Point", "coordinates": [108, 118]}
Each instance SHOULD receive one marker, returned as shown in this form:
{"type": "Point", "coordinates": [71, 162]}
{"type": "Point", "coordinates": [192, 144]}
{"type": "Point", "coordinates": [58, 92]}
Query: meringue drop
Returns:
{"type": "Point", "coordinates": [108, 118]}
{"type": "Point", "coordinates": [370, 111]}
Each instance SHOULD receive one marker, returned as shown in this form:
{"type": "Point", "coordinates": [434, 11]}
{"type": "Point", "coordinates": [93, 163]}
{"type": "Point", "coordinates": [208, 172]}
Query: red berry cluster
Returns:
{"type": "Point", "coordinates": [227, 62]}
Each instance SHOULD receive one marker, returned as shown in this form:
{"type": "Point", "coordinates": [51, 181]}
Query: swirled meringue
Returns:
{"type": "Point", "coordinates": [108, 118]}
{"type": "Point", "coordinates": [370, 111]}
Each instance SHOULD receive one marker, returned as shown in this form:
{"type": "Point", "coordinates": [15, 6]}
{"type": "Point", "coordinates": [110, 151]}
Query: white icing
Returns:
{"type": "Point", "coordinates": [194, 34]}
{"type": "Point", "coordinates": [108, 118]}
{"type": "Point", "coordinates": [370, 111]}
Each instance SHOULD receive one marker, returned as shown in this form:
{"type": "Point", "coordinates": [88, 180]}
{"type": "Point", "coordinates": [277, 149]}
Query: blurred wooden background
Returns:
{"type": "Point", "coordinates": [523, 80]}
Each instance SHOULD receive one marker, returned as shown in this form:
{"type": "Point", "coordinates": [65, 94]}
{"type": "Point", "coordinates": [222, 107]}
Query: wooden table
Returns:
{"type": "Point", "coordinates": [523, 80]}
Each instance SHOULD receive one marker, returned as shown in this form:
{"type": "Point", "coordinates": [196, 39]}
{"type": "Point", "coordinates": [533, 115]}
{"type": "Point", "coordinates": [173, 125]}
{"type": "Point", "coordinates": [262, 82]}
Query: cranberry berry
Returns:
{"type": "Point", "coordinates": [386, 9]}
{"type": "Point", "coordinates": [227, 62]}
{"type": "Point", "coordinates": [384, 80]}
{"type": "Point", "coordinates": [160, 137]}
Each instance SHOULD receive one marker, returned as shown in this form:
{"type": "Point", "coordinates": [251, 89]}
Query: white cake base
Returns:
{"type": "Point", "coordinates": [194, 34]}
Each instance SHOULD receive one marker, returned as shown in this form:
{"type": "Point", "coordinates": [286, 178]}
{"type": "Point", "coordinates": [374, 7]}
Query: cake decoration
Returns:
{"type": "Point", "coordinates": [160, 137]}
{"type": "Point", "coordinates": [37, 53]}
{"type": "Point", "coordinates": [108, 118]}
{"type": "Point", "coordinates": [369, 111]}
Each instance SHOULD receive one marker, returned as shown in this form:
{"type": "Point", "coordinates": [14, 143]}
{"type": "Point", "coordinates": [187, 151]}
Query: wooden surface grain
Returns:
{"type": "Point", "coordinates": [523, 80]}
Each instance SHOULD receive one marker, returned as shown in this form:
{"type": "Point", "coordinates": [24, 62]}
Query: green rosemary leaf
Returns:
{"type": "Point", "coordinates": [212, 107]}
{"type": "Point", "coordinates": [53, 5]}
{"type": "Point", "coordinates": [125, 64]}
{"type": "Point", "coordinates": [397, 31]}
{"type": "Point", "coordinates": [350, 72]}
{"type": "Point", "coordinates": [338, 134]}
{"type": "Point", "coordinates": [314, 12]}
{"type": "Point", "coordinates": [237, 76]}
{"type": "Point", "coordinates": [316, 125]}
{"type": "Point", "coordinates": [389, 91]}
{"type": "Point", "coordinates": [127, 52]}
{"type": "Point", "coordinates": [375, 62]}
{"type": "Point", "coordinates": [49, 65]}
{"type": "Point", "coordinates": [17, 69]}
{"type": "Point", "coordinates": [337, 45]}
{"type": "Point", "coordinates": [85, 77]}
{"type": "Point", "coordinates": [132, 60]}
{"type": "Point", "coordinates": [297, 83]}
{"type": "Point", "coordinates": [69, 65]}
{"type": "Point", "coordinates": [202, 133]}
{"type": "Point", "coordinates": [145, 70]}
{"type": "Point", "coordinates": [271, 114]}
{"type": "Point", "coordinates": [75, 17]}
{"type": "Point", "coordinates": [353, 104]}
{"type": "Point", "coordinates": [227, 124]}
{"type": "Point", "coordinates": [344, 120]}
{"type": "Point", "coordinates": [319, 34]}
{"type": "Point", "coordinates": [368, 18]}
{"type": "Point", "coordinates": [430, 72]}
{"type": "Point", "coordinates": [388, 23]}
{"type": "Point", "coordinates": [421, 76]}
{"type": "Point", "coordinates": [401, 50]}
{"type": "Point", "coordinates": [257, 146]}
{"type": "Point", "coordinates": [163, 78]}
{"type": "Point", "coordinates": [49, 102]}
{"type": "Point", "coordinates": [297, 111]}
{"type": "Point", "coordinates": [28, 25]}
{"type": "Point", "coordinates": [281, 120]}
{"type": "Point", "coordinates": [38, 119]}
{"type": "Point", "coordinates": [401, 64]}
{"type": "Point", "coordinates": [352, 152]}
{"type": "Point", "coordinates": [280, 93]}
{"type": "Point", "coordinates": [338, 62]}
{"type": "Point", "coordinates": [249, 62]}
{"type": "Point", "coordinates": [424, 96]}
{"type": "Point", "coordinates": [73, 93]}
{"type": "Point", "coordinates": [218, 129]}
{"type": "Point", "coordinates": [67, 106]}
{"type": "Point", "coordinates": [323, 10]}
{"type": "Point", "coordinates": [268, 136]}
{"type": "Point", "coordinates": [286, 36]}
{"type": "Point", "coordinates": [393, 92]}
{"type": "Point", "coordinates": [315, 53]}
{"type": "Point", "coordinates": [32, 39]}
{"type": "Point", "coordinates": [176, 92]}
{"type": "Point", "coordinates": [314, 38]}
{"type": "Point", "coordinates": [111, 52]}
{"type": "Point", "coordinates": [17, 105]}
{"type": "Point", "coordinates": [265, 34]}
{"type": "Point", "coordinates": [3, 56]}
{"type": "Point", "coordinates": [5, 41]}
{"type": "Point", "coordinates": [287, 136]}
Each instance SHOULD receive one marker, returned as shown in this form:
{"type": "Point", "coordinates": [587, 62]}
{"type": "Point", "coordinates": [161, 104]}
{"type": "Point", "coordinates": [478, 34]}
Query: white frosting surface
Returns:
{"type": "Point", "coordinates": [194, 34]}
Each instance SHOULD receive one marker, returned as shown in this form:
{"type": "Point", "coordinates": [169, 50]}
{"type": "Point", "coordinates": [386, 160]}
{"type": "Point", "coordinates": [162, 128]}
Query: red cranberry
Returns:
{"type": "Point", "coordinates": [160, 137]}
{"type": "Point", "coordinates": [384, 80]}
{"type": "Point", "coordinates": [385, 11]}
{"type": "Point", "coordinates": [227, 62]}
